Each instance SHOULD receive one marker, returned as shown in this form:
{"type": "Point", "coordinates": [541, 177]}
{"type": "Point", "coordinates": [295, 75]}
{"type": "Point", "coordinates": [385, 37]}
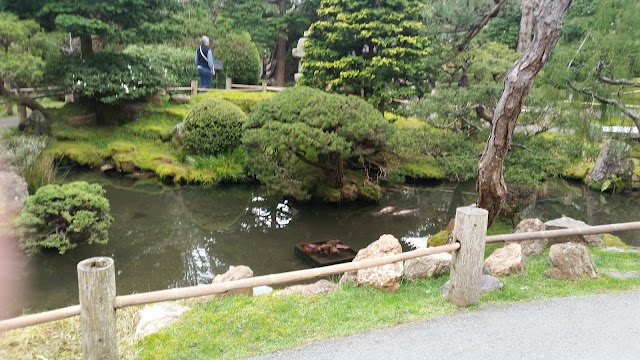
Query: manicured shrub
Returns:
{"type": "Point", "coordinates": [240, 57]}
{"type": "Point", "coordinates": [303, 138]}
{"type": "Point", "coordinates": [175, 63]}
{"type": "Point", "coordinates": [60, 217]}
{"type": "Point", "coordinates": [213, 126]}
{"type": "Point", "coordinates": [108, 78]}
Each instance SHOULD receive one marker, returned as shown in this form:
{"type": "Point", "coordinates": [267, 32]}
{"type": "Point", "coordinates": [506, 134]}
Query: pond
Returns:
{"type": "Point", "coordinates": [166, 237]}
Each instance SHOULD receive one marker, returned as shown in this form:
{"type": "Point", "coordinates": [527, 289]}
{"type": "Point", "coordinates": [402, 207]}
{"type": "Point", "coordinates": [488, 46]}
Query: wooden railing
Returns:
{"type": "Point", "coordinates": [98, 300]}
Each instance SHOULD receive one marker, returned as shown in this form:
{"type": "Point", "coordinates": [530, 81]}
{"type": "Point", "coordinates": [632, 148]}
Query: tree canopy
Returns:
{"type": "Point", "coordinates": [368, 48]}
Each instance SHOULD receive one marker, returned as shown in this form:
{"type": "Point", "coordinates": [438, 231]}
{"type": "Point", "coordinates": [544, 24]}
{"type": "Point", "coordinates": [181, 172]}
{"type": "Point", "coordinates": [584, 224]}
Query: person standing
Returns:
{"type": "Point", "coordinates": [204, 61]}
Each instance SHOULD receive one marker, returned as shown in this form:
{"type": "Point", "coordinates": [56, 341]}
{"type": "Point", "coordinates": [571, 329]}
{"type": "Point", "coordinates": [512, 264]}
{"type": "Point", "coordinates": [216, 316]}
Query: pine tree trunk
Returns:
{"type": "Point", "coordinates": [86, 45]}
{"type": "Point", "coordinates": [491, 186]}
{"type": "Point", "coordinates": [526, 24]}
{"type": "Point", "coordinates": [281, 49]}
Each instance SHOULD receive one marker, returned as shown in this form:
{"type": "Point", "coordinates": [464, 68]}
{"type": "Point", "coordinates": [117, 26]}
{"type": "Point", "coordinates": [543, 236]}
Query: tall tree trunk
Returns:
{"type": "Point", "coordinates": [526, 24]}
{"type": "Point", "coordinates": [491, 186]}
{"type": "Point", "coordinates": [281, 49]}
{"type": "Point", "coordinates": [86, 45]}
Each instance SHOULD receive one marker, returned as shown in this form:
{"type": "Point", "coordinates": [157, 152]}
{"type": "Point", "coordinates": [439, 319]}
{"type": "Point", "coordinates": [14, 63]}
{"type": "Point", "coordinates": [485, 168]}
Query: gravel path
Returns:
{"type": "Point", "coordinates": [591, 327]}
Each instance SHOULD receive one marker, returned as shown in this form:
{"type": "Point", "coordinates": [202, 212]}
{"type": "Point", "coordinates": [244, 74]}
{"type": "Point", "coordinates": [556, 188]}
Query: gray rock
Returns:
{"type": "Point", "coordinates": [614, 161]}
{"type": "Point", "coordinates": [507, 260]}
{"type": "Point", "coordinates": [487, 283]}
{"type": "Point", "coordinates": [385, 277]}
{"type": "Point", "coordinates": [37, 124]}
{"type": "Point", "coordinates": [317, 288]}
{"type": "Point", "coordinates": [427, 266]}
{"type": "Point", "coordinates": [568, 223]}
{"type": "Point", "coordinates": [154, 318]}
{"type": "Point", "coordinates": [234, 273]}
{"type": "Point", "coordinates": [622, 275]}
{"type": "Point", "coordinates": [570, 261]}
{"type": "Point", "coordinates": [180, 98]}
{"type": "Point", "coordinates": [535, 246]}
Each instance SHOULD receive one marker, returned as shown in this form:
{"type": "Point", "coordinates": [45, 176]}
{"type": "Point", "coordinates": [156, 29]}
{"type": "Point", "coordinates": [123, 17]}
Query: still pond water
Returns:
{"type": "Point", "coordinates": [165, 237]}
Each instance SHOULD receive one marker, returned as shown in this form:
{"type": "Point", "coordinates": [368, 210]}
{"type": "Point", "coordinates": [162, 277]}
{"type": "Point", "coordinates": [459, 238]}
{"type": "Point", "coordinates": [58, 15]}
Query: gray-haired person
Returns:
{"type": "Point", "coordinates": [204, 61]}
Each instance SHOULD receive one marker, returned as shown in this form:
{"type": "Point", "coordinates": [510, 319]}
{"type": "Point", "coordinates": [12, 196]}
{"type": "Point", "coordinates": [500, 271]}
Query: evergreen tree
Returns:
{"type": "Point", "coordinates": [368, 48]}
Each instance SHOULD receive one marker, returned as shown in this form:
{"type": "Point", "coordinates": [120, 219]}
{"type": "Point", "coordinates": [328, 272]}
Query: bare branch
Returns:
{"type": "Point", "coordinates": [475, 30]}
{"type": "Point", "coordinates": [603, 100]}
{"type": "Point", "coordinates": [484, 113]}
{"type": "Point", "coordinates": [624, 82]}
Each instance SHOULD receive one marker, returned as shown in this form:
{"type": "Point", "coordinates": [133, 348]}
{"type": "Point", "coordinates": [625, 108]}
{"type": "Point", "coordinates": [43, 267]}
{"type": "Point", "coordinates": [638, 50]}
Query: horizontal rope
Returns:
{"type": "Point", "coordinates": [584, 230]}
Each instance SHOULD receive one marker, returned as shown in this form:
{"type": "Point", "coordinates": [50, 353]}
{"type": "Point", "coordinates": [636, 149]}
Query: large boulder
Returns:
{"type": "Point", "coordinates": [427, 266]}
{"type": "Point", "coordinates": [535, 246]}
{"type": "Point", "coordinates": [570, 261]}
{"type": "Point", "coordinates": [385, 277]}
{"type": "Point", "coordinates": [614, 164]}
{"type": "Point", "coordinates": [317, 288]}
{"type": "Point", "coordinates": [234, 273]}
{"type": "Point", "coordinates": [36, 124]}
{"type": "Point", "coordinates": [508, 260]}
{"type": "Point", "coordinates": [154, 318]}
{"type": "Point", "coordinates": [566, 222]}
{"type": "Point", "coordinates": [487, 283]}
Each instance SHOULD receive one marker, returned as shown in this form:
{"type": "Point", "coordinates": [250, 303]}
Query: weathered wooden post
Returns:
{"type": "Point", "coordinates": [22, 114]}
{"type": "Point", "coordinates": [7, 85]}
{"type": "Point", "coordinates": [466, 266]}
{"type": "Point", "coordinates": [227, 83]}
{"type": "Point", "coordinates": [97, 285]}
{"type": "Point", "coordinates": [194, 88]}
{"type": "Point", "coordinates": [264, 86]}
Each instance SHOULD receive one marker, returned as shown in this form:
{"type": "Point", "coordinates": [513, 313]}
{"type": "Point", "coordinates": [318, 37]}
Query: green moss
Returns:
{"type": "Point", "coordinates": [425, 168]}
{"type": "Point", "coordinates": [636, 170]}
{"type": "Point", "coordinates": [82, 153]}
{"type": "Point", "coordinates": [500, 226]}
{"type": "Point", "coordinates": [153, 126]}
{"type": "Point", "coordinates": [579, 171]}
{"type": "Point", "coordinates": [613, 241]}
{"type": "Point", "coordinates": [438, 239]}
{"type": "Point", "coordinates": [244, 100]}
{"type": "Point", "coordinates": [328, 193]}
{"type": "Point", "coordinates": [369, 193]}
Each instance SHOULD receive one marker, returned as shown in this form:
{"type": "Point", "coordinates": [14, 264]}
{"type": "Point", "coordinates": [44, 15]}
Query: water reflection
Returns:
{"type": "Point", "coordinates": [180, 237]}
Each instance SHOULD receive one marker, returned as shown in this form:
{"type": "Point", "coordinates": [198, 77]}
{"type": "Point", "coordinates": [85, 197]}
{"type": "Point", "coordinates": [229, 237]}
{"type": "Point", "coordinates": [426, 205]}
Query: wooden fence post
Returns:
{"type": "Point", "coordinates": [227, 83]}
{"type": "Point", "coordinates": [194, 88]}
{"type": "Point", "coordinates": [264, 86]}
{"type": "Point", "coordinates": [22, 114]}
{"type": "Point", "coordinates": [470, 231]}
{"type": "Point", "coordinates": [7, 85]}
{"type": "Point", "coordinates": [97, 285]}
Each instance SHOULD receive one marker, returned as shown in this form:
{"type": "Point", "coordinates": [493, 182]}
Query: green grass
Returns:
{"type": "Point", "coordinates": [245, 326]}
{"type": "Point", "coordinates": [143, 144]}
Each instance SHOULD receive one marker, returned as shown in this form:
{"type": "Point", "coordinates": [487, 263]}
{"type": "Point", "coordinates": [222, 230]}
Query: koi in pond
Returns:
{"type": "Point", "coordinates": [404, 212]}
{"type": "Point", "coordinates": [385, 210]}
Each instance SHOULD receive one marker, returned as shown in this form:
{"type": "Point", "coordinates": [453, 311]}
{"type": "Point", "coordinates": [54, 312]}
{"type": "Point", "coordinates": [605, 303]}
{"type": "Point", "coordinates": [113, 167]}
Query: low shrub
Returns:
{"type": "Point", "coordinates": [175, 63]}
{"type": "Point", "coordinates": [62, 216]}
{"type": "Point", "coordinates": [26, 154]}
{"type": "Point", "coordinates": [212, 127]}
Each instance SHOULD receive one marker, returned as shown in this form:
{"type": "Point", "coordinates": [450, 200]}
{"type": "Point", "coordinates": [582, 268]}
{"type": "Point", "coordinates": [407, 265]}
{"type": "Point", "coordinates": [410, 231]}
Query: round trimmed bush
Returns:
{"type": "Point", "coordinates": [213, 126]}
{"type": "Point", "coordinates": [60, 217]}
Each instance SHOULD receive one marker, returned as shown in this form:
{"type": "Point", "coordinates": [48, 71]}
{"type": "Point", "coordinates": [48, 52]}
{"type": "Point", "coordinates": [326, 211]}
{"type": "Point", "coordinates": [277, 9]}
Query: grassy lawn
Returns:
{"type": "Point", "coordinates": [245, 326]}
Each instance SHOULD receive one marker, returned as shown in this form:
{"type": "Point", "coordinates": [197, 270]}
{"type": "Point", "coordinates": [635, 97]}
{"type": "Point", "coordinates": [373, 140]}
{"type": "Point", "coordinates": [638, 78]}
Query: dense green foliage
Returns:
{"type": "Point", "coordinates": [109, 78]}
{"type": "Point", "coordinates": [60, 217]}
{"type": "Point", "coordinates": [176, 64]}
{"type": "Point", "coordinates": [20, 64]}
{"type": "Point", "coordinates": [240, 57]}
{"type": "Point", "coordinates": [213, 126]}
{"type": "Point", "coordinates": [368, 48]}
{"type": "Point", "coordinates": [302, 130]}
{"type": "Point", "coordinates": [120, 20]}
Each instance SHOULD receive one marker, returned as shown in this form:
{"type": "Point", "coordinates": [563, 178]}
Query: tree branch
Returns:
{"type": "Point", "coordinates": [475, 30]}
{"type": "Point", "coordinates": [603, 100]}
{"type": "Point", "coordinates": [484, 113]}
{"type": "Point", "coordinates": [20, 99]}
{"type": "Point", "coordinates": [624, 82]}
